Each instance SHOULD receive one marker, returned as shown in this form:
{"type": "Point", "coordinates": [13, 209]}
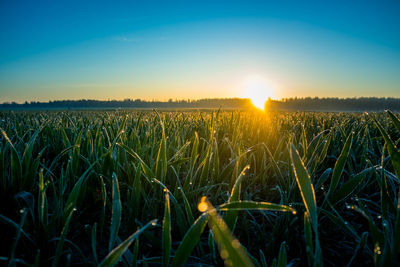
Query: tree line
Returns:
{"type": "Point", "coordinates": [335, 104]}
{"type": "Point", "coordinates": [286, 104]}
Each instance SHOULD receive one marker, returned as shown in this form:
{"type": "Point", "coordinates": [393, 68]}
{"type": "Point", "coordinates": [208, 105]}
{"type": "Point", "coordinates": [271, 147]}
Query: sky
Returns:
{"type": "Point", "coordinates": [160, 50]}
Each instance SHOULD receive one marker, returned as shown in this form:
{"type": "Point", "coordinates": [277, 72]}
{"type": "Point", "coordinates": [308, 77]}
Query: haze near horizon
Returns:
{"type": "Point", "coordinates": [203, 49]}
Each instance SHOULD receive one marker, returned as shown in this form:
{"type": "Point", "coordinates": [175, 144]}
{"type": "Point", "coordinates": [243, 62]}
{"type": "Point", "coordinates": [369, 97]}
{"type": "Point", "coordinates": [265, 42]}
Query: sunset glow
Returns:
{"type": "Point", "coordinates": [258, 91]}
{"type": "Point", "coordinates": [197, 49]}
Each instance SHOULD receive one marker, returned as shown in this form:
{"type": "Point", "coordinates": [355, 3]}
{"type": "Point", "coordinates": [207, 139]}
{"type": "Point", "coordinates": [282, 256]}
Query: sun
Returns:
{"type": "Point", "coordinates": [257, 97]}
{"type": "Point", "coordinates": [258, 92]}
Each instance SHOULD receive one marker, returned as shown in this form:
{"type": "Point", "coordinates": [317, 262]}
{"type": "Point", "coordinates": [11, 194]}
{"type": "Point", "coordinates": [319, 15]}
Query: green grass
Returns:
{"type": "Point", "coordinates": [234, 188]}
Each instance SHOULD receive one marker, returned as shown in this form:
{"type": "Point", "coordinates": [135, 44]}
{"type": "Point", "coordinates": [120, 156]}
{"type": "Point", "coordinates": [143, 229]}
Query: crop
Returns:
{"type": "Point", "coordinates": [199, 188]}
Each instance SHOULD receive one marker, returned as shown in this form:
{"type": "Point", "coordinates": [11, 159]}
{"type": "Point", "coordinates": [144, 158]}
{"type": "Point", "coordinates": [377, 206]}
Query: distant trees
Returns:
{"type": "Point", "coordinates": [287, 104]}
{"type": "Point", "coordinates": [336, 104]}
{"type": "Point", "coordinates": [233, 103]}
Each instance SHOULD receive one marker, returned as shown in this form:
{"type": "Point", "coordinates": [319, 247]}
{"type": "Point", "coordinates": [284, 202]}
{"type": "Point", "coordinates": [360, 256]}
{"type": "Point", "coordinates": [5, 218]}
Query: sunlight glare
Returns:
{"type": "Point", "coordinates": [258, 92]}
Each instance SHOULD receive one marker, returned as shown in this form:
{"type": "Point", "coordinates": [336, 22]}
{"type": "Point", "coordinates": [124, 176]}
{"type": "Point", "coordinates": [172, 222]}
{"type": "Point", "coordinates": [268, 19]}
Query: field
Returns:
{"type": "Point", "coordinates": [199, 188]}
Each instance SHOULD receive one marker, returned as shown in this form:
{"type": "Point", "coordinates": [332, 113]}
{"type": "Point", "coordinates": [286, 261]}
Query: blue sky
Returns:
{"type": "Point", "coordinates": [197, 49]}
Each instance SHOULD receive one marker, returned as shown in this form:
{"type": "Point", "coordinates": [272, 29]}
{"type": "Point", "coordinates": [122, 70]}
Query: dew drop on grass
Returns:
{"type": "Point", "coordinates": [224, 254]}
{"type": "Point", "coordinates": [235, 243]}
{"type": "Point", "coordinates": [228, 263]}
{"type": "Point", "coordinates": [377, 249]}
{"type": "Point", "coordinates": [203, 206]}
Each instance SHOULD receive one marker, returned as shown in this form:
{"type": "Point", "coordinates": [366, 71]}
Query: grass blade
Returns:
{"type": "Point", "coordinates": [74, 195]}
{"type": "Point", "coordinates": [60, 243]}
{"type": "Point", "coordinates": [348, 188]}
{"type": "Point", "coordinates": [392, 149]}
{"type": "Point", "coordinates": [308, 238]}
{"type": "Point", "coordinates": [16, 165]}
{"type": "Point", "coordinates": [161, 161]}
{"type": "Point", "coordinates": [252, 205]}
{"type": "Point", "coordinates": [231, 216]}
{"type": "Point", "coordinates": [282, 260]}
{"type": "Point", "coordinates": [189, 241]}
{"type": "Point", "coordinates": [394, 119]}
{"type": "Point", "coordinates": [146, 169]}
{"type": "Point", "coordinates": [112, 258]}
{"type": "Point", "coordinates": [18, 235]}
{"type": "Point", "coordinates": [166, 237]}
{"type": "Point", "coordinates": [339, 165]}
{"type": "Point", "coordinates": [230, 249]}
{"type": "Point", "coordinates": [116, 212]}
{"type": "Point", "coordinates": [305, 186]}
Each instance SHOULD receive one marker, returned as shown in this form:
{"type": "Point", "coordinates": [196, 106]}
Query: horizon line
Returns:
{"type": "Point", "coordinates": [189, 99]}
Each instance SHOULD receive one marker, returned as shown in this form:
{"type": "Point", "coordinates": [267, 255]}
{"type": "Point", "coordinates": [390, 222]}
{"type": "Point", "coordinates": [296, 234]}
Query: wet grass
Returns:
{"type": "Point", "coordinates": [211, 188]}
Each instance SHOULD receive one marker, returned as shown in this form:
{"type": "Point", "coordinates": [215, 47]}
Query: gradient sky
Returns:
{"type": "Point", "coordinates": [198, 49]}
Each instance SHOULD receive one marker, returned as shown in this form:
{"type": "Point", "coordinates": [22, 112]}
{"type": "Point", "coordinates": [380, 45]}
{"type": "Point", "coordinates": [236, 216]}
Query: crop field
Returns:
{"type": "Point", "coordinates": [240, 188]}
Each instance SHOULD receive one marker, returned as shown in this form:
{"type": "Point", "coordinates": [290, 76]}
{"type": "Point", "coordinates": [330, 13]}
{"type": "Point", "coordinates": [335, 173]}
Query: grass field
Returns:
{"type": "Point", "coordinates": [212, 188]}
